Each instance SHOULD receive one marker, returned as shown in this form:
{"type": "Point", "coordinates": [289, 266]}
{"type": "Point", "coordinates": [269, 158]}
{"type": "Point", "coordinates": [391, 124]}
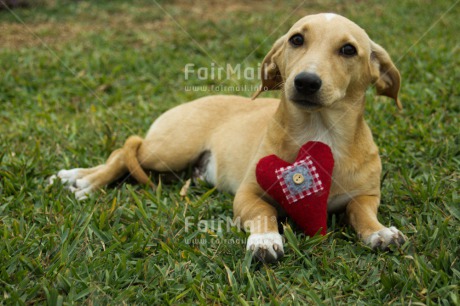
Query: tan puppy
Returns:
{"type": "Point", "coordinates": [323, 65]}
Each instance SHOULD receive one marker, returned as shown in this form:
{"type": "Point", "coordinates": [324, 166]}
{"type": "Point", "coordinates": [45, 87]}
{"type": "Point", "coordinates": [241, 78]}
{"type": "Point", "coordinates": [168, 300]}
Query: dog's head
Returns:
{"type": "Point", "coordinates": [327, 58]}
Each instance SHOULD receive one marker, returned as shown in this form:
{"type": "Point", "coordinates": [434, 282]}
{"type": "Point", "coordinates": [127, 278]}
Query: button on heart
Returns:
{"type": "Point", "coordinates": [298, 178]}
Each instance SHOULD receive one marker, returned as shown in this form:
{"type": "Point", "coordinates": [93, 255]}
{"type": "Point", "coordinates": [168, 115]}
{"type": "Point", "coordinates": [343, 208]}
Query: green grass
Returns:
{"type": "Point", "coordinates": [78, 78]}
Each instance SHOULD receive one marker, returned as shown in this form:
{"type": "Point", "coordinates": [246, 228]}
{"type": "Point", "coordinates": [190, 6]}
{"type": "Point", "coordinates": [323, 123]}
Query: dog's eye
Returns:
{"type": "Point", "coordinates": [296, 40]}
{"type": "Point", "coordinates": [348, 50]}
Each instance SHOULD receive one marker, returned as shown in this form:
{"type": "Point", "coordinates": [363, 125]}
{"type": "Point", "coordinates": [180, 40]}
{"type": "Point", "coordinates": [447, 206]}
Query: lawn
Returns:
{"type": "Point", "coordinates": [78, 77]}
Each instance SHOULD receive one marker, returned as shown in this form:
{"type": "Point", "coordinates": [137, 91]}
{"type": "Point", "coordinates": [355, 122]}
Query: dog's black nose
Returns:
{"type": "Point", "coordinates": [307, 83]}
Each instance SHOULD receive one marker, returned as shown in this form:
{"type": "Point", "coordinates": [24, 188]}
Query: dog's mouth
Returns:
{"type": "Point", "coordinates": [308, 104]}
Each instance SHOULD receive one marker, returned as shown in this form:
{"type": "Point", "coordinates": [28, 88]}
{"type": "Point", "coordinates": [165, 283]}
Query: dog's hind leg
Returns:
{"type": "Point", "coordinates": [153, 153]}
{"type": "Point", "coordinates": [83, 181]}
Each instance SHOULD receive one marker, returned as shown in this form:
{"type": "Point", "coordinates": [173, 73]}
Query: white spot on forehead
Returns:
{"type": "Point", "coordinates": [329, 16]}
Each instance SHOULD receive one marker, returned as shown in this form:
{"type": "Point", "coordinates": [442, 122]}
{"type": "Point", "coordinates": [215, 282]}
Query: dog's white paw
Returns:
{"type": "Point", "coordinates": [384, 238]}
{"type": "Point", "coordinates": [267, 247]}
{"type": "Point", "coordinates": [68, 177]}
{"type": "Point", "coordinates": [80, 187]}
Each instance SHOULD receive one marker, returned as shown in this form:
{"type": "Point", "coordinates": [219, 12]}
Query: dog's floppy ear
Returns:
{"type": "Point", "coordinates": [270, 74]}
{"type": "Point", "coordinates": [385, 75]}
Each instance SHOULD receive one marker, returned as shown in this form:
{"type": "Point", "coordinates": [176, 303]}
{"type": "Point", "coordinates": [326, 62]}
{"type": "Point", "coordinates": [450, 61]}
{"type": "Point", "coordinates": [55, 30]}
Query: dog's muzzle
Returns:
{"type": "Point", "coordinates": [307, 86]}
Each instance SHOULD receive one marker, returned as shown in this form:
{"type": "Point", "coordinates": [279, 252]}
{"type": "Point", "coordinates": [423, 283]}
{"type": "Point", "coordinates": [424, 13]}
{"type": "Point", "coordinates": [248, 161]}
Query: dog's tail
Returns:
{"type": "Point", "coordinates": [130, 149]}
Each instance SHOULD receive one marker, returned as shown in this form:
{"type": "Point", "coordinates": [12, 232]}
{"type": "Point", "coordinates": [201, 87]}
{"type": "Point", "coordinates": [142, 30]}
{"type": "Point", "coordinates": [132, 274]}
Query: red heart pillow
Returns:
{"type": "Point", "coordinates": [301, 188]}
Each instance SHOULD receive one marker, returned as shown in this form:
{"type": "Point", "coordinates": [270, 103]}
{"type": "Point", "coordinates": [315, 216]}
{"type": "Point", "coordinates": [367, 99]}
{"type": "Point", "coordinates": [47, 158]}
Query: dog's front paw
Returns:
{"type": "Point", "coordinates": [267, 247]}
{"type": "Point", "coordinates": [384, 238]}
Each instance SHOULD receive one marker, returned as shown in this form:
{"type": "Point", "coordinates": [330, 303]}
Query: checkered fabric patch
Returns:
{"type": "Point", "coordinates": [310, 180]}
